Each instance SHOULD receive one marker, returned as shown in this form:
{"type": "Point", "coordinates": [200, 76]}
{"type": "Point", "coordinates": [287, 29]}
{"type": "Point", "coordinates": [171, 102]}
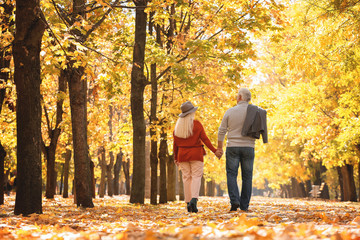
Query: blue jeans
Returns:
{"type": "Point", "coordinates": [243, 156]}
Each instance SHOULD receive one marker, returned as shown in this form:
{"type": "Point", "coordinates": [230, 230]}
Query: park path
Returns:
{"type": "Point", "coordinates": [115, 218]}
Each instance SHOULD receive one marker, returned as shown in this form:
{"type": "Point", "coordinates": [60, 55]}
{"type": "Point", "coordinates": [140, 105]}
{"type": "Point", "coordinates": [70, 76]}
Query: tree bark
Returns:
{"type": "Point", "coordinates": [26, 50]}
{"type": "Point", "coordinates": [171, 179]}
{"type": "Point", "coordinates": [117, 168]}
{"type": "Point", "coordinates": [93, 181]}
{"type": "Point", "coordinates": [163, 156]}
{"type": "Point", "coordinates": [78, 97]}
{"type": "Point", "coordinates": [62, 179]}
{"type": "Point", "coordinates": [153, 133]}
{"type": "Point", "coordinates": [66, 173]}
{"type": "Point", "coordinates": [138, 82]}
{"type": "Point", "coordinates": [202, 187]}
{"type": "Point", "coordinates": [341, 184]}
{"type": "Point", "coordinates": [2, 171]}
{"type": "Point", "coordinates": [78, 106]}
{"type": "Point", "coordinates": [109, 167]}
{"type": "Point", "coordinates": [219, 191]}
{"type": "Point", "coordinates": [181, 187]}
{"type": "Point", "coordinates": [308, 187]}
{"type": "Point", "coordinates": [126, 169]}
{"type": "Point", "coordinates": [325, 194]}
{"type": "Point", "coordinates": [210, 188]}
{"type": "Point", "coordinates": [110, 179]}
{"type": "Point", "coordinates": [349, 183]}
{"type": "Point", "coordinates": [54, 134]}
{"type": "Point", "coordinates": [102, 162]}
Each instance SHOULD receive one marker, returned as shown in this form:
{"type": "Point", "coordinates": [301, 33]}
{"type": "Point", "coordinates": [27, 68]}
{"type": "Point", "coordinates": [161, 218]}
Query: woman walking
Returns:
{"type": "Point", "coordinates": [189, 140]}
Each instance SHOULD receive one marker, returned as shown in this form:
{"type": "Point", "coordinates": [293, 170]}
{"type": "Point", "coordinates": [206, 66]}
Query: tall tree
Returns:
{"type": "Point", "coordinates": [153, 121]}
{"type": "Point", "coordinates": [163, 157]}
{"type": "Point", "coordinates": [54, 134]}
{"type": "Point", "coordinates": [26, 51]}
{"type": "Point", "coordinates": [102, 163]}
{"type": "Point", "coordinates": [66, 173]}
{"type": "Point", "coordinates": [109, 167]}
{"type": "Point", "coordinates": [138, 83]}
{"type": "Point", "coordinates": [117, 168]}
{"type": "Point", "coordinates": [78, 100]}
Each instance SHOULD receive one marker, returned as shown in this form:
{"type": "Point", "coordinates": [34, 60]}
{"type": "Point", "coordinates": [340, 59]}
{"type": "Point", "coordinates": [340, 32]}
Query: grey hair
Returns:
{"type": "Point", "coordinates": [245, 94]}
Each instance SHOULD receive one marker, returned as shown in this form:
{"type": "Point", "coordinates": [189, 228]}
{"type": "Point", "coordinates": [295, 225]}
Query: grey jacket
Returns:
{"type": "Point", "coordinates": [255, 123]}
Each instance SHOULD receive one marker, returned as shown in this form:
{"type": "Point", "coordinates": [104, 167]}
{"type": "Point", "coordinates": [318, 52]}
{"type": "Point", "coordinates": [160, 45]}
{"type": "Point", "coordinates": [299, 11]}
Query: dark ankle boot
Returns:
{"type": "Point", "coordinates": [188, 207]}
{"type": "Point", "coordinates": [234, 207]}
{"type": "Point", "coordinates": [193, 205]}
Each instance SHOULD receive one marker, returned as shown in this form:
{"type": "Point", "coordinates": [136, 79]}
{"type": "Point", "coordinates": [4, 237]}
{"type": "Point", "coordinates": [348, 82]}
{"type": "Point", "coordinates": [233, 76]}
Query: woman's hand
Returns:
{"type": "Point", "coordinates": [219, 152]}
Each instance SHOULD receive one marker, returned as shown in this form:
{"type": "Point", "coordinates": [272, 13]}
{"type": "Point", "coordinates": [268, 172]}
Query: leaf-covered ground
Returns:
{"type": "Point", "coordinates": [115, 218]}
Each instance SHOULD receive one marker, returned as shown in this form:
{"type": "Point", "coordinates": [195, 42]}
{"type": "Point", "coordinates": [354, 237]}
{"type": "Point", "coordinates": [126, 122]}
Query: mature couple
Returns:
{"type": "Point", "coordinates": [243, 124]}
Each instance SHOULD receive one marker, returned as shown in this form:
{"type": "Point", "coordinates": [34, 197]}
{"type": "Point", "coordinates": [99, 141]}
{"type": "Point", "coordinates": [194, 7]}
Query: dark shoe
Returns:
{"type": "Point", "coordinates": [234, 207]}
{"type": "Point", "coordinates": [188, 207]}
{"type": "Point", "coordinates": [245, 210]}
{"type": "Point", "coordinates": [193, 205]}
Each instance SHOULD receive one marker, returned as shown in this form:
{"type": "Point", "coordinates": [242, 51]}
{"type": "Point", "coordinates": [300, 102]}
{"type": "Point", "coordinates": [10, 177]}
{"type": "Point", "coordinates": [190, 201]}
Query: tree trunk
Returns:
{"type": "Point", "coordinates": [27, 46]}
{"type": "Point", "coordinates": [138, 82]}
{"type": "Point", "coordinates": [210, 188]}
{"type": "Point", "coordinates": [117, 168]}
{"type": "Point", "coordinates": [163, 156]}
{"type": "Point", "coordinates": [308, 187]}
{"type": "Point", "coordinates": [153, 122]}
{"type": "Point", "coordinates": [219, 191]}
{"type": "Point", "coordinates": [78, 95]}
{"type": "Point", "coordinates": [110, 179]}
{"type": "Point", "coordinates": [93, 181]}
{"type": "Point", "coordinates": [78, 105]}
{"type": "Point", "coordinates": [66, 173]}
{"type": "Point", "coordinates": [171, 179]}
{"type": "Point", "coordinates": [289, 191]}
{"type": "Point", "coordinates": [102, 162]}
{"type": "Point", "coordinates": [109, 167]}
{"type": "Point", "coordinates": [54, 134]}
{"type": "Point", "coordinates": [126, 169]}
{"type": "Point", "coordinates": [2, 171]}
{"type": "Point", "coordinates": [202, 187]}
{"type": "Point", "coordinates": [181, 187]}
{"type": "Point", "coordinates": [349, 183]}
{"type": "Point", "coordinates": [62, 179]}
{"type": "Point", "coordinates": [325, 194]}
{"type": "Point", "coordinates": [341, 184]}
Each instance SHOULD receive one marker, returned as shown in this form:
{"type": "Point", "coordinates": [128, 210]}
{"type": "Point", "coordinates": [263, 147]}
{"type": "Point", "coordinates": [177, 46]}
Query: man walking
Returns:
{"type": "Point", "coordinates": [243, 124]}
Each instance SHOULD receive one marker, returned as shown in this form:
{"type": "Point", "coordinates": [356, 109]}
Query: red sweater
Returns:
{"type": "Point", "coordinates": [192, 148]}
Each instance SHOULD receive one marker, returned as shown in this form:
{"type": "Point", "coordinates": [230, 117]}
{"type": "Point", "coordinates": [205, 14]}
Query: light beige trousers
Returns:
{"type": "Point", "coordinates": [191, 174]}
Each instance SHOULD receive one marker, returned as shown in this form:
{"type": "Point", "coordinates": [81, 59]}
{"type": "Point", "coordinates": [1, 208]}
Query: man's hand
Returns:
{"type": "Point", "coordinates": [219, 152]}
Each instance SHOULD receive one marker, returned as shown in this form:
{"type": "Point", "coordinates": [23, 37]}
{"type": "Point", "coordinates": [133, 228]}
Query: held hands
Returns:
{"type": "Point", "coordinates": [219, 152]}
